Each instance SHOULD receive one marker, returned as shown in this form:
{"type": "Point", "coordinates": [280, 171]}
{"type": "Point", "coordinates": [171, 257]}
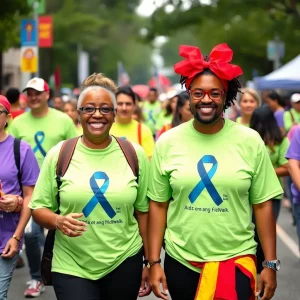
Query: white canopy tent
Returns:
{"type": "Point", "coordinates": [286, 77]}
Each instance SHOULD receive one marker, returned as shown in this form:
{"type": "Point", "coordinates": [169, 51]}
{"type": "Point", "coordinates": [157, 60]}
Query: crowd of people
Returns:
{"type": "Point", "coordinates": [140, 175]}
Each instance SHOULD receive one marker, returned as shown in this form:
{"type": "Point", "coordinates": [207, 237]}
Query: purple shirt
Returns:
{"type": "Point", "coordinates": [294, 153]}
{"type": "Point", "coordinates": [9, 178]}
{"type": "Point", "coordinates": [279, 117]}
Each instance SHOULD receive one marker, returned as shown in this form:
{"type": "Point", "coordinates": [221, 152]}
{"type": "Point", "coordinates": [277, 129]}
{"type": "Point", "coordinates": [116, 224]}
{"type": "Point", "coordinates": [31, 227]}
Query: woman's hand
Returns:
{"type": "Point", "coordinates": [145, 288]}
{"type": "Point", "coordinates": [9, 203]}
{"type": "Point", "coordinates": [156, 278]}
{"type": "Point", "coordinates": [11, 248]}
{"type": "Point", "coordinates": [267, 284]}
{"type": "Point", "coordinates": [69, 226]}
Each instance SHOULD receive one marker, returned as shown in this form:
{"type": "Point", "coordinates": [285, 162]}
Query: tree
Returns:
{"type": "Point", "coordinates": [10, 13]}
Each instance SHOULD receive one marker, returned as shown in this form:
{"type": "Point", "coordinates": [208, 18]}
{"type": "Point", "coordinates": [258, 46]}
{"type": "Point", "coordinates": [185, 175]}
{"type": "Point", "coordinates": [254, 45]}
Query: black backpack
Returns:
{"type": "Point", "coordinates": [64, 159]}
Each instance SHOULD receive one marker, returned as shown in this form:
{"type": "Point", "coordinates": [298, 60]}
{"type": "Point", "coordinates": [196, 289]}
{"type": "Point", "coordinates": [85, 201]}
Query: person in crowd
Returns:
{"type": "Point", "coordinates": [152, 109]}
{"type": "Point", "coordinates": [138, 114]}
{"type": "Point", "coordinates": [182, 113]}
{"type": "Point", "coordinates": [264, 122]}
{"type": "Point", "coordinates": [207, 175]}
{"type": "Point", "coordinates": [166, 115]}
{"type": "Point", "coordinates": [277, 105]}
{"type": "Point", "coordinates": [13, 96]}
{"type": "Point", "coordinates": [248, 102]}
{"type": "Point", "coordinates": [16, 187]}
{"type": "Point", "coordinates": [23, 102]}
{"type": "Point", "coordinates": [42, 127]}
{"type": "Point", "coordinates": [70, 108]}
{"type": "Point", "coordinates": [292, 116]}
{"type": "Point", "coordinates": [293, 155]}
{"type": "Point", "coordinates": [98, 247]}
{"type": "Point", "coordinates": [125, 126]}
{"type": "Point", "coordinates": [58, 103]}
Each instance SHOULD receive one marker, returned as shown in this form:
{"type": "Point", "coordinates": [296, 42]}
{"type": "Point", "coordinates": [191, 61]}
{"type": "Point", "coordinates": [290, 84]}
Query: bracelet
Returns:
{"type": "Point", "coordinates": [145, 262]}
{"type": "Point", "coordinates": [16, 238]}
{"type": "Point", "coordinates": [150, 264]}
{"type": "Point", "coordinates": [19, 204]}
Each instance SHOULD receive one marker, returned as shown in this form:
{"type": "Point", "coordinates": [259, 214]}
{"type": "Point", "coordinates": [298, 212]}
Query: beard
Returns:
{"type": "Point", "coordinates": [207, 120]}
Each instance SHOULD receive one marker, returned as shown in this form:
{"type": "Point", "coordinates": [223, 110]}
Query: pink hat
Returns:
{"type": "Point", "coordinates": [37, 84]}
{"type": "Point", "coordinates": [5, 103]}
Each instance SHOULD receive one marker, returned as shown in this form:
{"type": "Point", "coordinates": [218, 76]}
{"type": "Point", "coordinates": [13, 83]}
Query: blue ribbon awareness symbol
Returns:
{"type": "Point", "coordinates": [99, 196]}
{"type": "Point", "coordinates": [151, 118]}
{"type": "Point", "coordinates": [39, 138]}
{"type": "Point", "coordinates": [205, 182]}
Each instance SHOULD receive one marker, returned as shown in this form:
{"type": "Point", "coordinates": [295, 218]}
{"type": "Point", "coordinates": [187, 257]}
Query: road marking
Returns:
{"type": "Point", "coordinates": [288, 241]}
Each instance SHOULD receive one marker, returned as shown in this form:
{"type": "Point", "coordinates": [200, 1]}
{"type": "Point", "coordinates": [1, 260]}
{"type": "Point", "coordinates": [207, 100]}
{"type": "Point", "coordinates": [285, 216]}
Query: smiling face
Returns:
{"type": "Point", "coordinates": [207, 111]}
{"type": "Point", "coordinates": [125, 108]}
{"type": "Point", "coordinates": [37, 100]}
{"type": "Point", "coordinates": [248, 104]}
{"type": "Point", "coordinates": [97, 125]}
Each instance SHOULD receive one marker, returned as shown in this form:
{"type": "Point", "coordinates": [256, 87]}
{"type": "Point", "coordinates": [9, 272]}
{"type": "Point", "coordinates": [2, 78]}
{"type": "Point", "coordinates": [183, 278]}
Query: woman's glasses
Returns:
{"type": "Point", "coordinates": [197, 94]}
{"type": "Point", "coordinates": [90, 110]}
{"type": "Point", "coordinates": [3, 112]}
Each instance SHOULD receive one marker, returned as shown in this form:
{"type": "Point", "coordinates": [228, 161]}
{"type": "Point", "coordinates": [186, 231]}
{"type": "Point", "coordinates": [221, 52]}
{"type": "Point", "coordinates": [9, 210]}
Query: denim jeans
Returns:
{"type": "Point", "coordinates": [296, 208]}
{"type": "Point", "coordinates": [6, 271]}
{"type": "Point", "coordinates": [33, 242]}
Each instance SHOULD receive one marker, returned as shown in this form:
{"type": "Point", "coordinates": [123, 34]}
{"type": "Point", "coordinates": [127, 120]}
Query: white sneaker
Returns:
{"type": "Point", "coordinates": [35, 289]}
{"type": "Point", "coordinates": [29, 282]}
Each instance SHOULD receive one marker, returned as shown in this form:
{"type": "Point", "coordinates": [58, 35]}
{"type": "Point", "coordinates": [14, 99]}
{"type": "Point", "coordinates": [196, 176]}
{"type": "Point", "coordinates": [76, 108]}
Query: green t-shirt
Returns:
{"type": "Point", "coordinates": [151, 113]}
{"type": "Point", "coordinates": [288, 120]}
{"type": "Point", "coordinates": [43, 133]}
{"type": "Point", "coordinates": [277, 156]}
{"type": "Point", "coordinates": [239, 121]}
{"type": "Point", "coordinates": [163, 120]}
{"type": "Point", "coordinates": [213, 180]}
{"type": "Point", "coordinates": [112, 234]}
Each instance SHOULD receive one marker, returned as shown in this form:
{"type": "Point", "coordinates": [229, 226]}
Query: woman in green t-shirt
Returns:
{"type": "Point", "coordinates": [101, 229]}
{"type": "Point", "coordinates": [264, 122]}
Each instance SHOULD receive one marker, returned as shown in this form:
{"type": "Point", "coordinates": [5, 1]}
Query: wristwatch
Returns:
{"type": "Point", "coordinates": [272, 264]}
{"type": "Point", "coordinates": [150, 264]}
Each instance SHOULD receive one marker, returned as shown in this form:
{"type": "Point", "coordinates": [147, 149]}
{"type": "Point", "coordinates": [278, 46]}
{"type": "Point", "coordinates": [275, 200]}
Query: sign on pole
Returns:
{"type": "Point", "coordinates": [28, 33]}
{"type": "Point", "coordinates": [45, 32]}
{"type": "Point", "coordinates": [29, 59]}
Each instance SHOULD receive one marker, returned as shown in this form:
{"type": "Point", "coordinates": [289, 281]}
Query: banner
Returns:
{"type": "Point", "coordinates": [45, 32]}
{"type": "Point", "coordinates": [29, 59]}
{"type": "Point", "coordinates": [28, 33]}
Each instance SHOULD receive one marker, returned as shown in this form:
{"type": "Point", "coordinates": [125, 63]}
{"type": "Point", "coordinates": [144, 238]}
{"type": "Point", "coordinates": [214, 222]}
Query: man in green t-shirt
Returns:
{"type": "Point", "coordinates": [292, 117]}
{"type": "Point", "coordinates": [42, 127]}
{"type": "Point", "coordinates": [207, 176]}
{"type": "Point", "coordinates": [151, 110]}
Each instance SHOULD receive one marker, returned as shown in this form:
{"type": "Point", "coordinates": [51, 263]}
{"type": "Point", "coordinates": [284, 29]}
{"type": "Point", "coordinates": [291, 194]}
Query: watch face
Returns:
{"type": "Point", "coordinates": [278, 265]}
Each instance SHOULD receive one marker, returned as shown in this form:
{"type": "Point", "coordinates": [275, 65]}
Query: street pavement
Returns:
{"type": "Point", "coordinates": [288, 277]}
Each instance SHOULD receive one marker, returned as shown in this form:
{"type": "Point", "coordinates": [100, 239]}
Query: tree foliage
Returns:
{"type": "Point", "coordinates": [245, 25]}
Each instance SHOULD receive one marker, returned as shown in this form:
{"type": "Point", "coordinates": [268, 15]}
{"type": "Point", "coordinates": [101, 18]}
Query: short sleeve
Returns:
{"type": "Point", "coordinates": [45, 191]}
{"type": "Point", "coordinates": [159, 183]}
{"type": "Point", "coordinates": [284, 146]}
{"type": "Point", "coordinates": [147, 141]}
{"type": "Point", "coordinates": [29, 165]}
{"type": "Point", "coordinates": [71, 130]}
{"type": "Point", "coordinates": [265, 184]}
{"type": "Point", "coordinates": [142, 201]}
{"type": "Point", "coordinates": [279, 118]}
{"type": "Point", "coordinates": [294, 148]}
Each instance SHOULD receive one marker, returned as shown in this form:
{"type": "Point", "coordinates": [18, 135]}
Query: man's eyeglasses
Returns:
{"type": "Point", "coordinates": [3, 112]}
{"type": "Point", "coordinates": [90, 110]}
{"type": "Point", "coordinates": [197, 94]}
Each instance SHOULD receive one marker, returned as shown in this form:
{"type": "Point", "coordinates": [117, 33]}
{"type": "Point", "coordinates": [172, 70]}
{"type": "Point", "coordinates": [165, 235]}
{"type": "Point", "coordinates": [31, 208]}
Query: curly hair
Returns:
{"type": "Point", "coordinates": [234, 86]}
{"type": "Point", "coordinates": [98, 81]}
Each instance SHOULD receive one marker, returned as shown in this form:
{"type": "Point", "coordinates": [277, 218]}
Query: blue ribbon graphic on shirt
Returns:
{"type": "Point", "coordinates": [205, 182]}
{"type": "Point", "coordinates": [151, 116]}
{"type": "Point", "coordinates": [99, 195]}
{"type": "Point", "coordinates": [39, 138]}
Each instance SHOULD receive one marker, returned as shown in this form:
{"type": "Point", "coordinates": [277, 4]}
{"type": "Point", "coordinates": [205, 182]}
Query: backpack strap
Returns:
{"type": "Point", "coordinates": [140, 133]}
{"type": "Point", "coordinates": [64, 159]}
{"type": "Point", "coordinates": [17, 155]}
{"type": "Point", "coordinates": [130, 155]}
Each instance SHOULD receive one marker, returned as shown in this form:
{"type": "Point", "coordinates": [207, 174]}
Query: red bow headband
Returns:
{"type": "Point", "coordinates": [219, 63]}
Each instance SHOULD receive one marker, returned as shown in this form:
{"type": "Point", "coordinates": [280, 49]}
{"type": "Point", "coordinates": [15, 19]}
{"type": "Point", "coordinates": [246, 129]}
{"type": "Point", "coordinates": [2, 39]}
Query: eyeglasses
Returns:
{"type": "Point", "coordinates": [90, 110]}
{"type": "Point", "coordinates": [212, 94]}
{"type": "Point", "coordinates": [3, 112]}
